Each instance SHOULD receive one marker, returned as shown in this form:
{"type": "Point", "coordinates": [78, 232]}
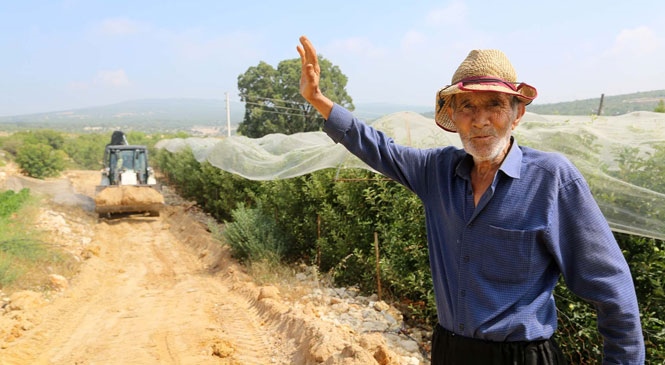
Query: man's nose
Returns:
{"type": "Point", "coordinates": [481, 117]}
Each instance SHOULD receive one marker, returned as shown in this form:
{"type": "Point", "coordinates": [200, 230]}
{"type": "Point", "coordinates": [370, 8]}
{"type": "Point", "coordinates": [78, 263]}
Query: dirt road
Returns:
{"type": "Point", "coordinates": [145, 297]}
{"type": "Point", "coordinates": [160, 290]}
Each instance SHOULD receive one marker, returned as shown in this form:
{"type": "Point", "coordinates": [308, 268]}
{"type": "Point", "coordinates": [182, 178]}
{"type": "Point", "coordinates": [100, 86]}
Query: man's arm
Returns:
{"type": "Point", "coordinates": [595, 269]}
{"type": "Point", "coordinates": [309, 78]}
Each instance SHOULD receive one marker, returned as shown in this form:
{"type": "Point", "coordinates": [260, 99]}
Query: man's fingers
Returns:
{"type": "Point", "coordinates": [307, 45]}
{"type": "Point", "coordinates": [301, 52]}
{"type": "Point", "coordinates": [309, 78]}
{"type": "Point", "coordinates": [307, 67]}
{"type": "Point", "coordinates": [308, 51]}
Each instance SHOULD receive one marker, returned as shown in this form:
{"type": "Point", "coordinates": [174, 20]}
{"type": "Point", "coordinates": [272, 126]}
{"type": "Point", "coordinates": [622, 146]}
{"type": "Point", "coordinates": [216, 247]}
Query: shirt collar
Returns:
{"type": "Point", "coordinates": [511, 164]}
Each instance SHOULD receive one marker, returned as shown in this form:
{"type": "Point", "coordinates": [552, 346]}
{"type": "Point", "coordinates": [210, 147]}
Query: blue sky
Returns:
{"type": "Point", "coordinates": [66, 54]}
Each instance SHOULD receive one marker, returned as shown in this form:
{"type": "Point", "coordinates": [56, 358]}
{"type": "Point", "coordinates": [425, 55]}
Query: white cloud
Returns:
{"type": "Point", "coordinates": [111, 78]}
{"type": "Point", "coordinates": [635, 42]}
{"type": "Point", "coordinates": [630, 62]}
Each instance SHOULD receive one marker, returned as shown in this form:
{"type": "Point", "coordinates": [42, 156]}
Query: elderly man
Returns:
{"type": "Point", "coordinates": [503, 222]}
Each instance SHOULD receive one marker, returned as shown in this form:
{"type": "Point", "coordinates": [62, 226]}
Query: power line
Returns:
{"type": "Point", "coordinates": [366, 114]}
{"type": "Point", "coordinates": [274, 106]}
{"type": "Point", "coordinates": [301, 115]}
{"type": "Point", "coordinates": [272, 99]}
{"type": "Point", "coordinates": [280, 110]}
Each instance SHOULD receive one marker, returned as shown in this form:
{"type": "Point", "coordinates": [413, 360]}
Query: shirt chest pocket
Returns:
{"type": "Point", "coordinates": [507, 255]}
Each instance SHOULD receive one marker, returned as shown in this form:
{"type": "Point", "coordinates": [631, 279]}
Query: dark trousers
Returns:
{"type": "Point", "coordinates": [451, 349]}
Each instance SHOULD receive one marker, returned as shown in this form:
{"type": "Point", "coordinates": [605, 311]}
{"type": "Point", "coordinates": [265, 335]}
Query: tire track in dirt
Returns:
{"type": "Point", "coordinates": [237, 313]}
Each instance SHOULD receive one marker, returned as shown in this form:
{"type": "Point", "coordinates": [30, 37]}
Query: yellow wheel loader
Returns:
{"type": "Point", "coordinates": [128, 183]}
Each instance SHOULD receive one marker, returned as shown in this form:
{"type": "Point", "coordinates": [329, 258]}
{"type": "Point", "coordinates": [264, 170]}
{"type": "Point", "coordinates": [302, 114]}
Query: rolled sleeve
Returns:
{"type": "Point", "coordinates": [338, 123]}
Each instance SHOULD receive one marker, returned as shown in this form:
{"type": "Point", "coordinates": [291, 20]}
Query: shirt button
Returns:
{"type": "Point", "coordinates": [463, 293]}
{"type": "Point", "coordinates": [461, 326]}
{"type": "Point", "coordinates": [466, 259]}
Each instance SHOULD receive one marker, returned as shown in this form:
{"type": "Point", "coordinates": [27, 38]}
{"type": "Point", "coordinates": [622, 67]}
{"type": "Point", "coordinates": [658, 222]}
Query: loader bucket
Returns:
{"type": "Point", "coordinates": [115, 199]}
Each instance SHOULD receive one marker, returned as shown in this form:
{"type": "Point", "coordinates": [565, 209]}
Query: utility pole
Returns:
{"type": "Point", "coordinates": [228, 116]}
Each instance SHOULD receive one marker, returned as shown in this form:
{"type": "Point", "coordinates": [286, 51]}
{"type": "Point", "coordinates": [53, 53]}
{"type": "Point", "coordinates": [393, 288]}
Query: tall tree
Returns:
{"type": "Point", "coordinates": [272, 98]}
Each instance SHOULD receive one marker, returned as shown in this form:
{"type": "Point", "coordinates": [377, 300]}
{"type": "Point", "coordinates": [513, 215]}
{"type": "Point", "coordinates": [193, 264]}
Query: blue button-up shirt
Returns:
{"type": "Point", "coordinates": [495, 265]}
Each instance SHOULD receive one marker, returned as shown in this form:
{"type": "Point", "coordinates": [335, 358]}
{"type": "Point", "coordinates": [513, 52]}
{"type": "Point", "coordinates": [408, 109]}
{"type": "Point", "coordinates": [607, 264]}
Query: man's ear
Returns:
{"type": "Point", "coordinates": [521, 109]}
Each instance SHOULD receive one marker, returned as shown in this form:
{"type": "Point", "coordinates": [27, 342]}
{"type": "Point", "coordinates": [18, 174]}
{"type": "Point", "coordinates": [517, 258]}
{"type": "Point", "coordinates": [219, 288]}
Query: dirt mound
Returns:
{"type": "Point", "coordinates": [302, 321]}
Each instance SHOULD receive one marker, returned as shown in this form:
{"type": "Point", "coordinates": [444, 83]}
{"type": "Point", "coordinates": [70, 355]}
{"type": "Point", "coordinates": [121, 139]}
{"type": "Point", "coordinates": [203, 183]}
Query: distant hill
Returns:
{"type": "Point", "coordinates": [208, 116]}
{"type": "Point", "coordinates": [195, 116]}
{"type": "Point", "coordinates": [612, 105]}
{"type": "Point", "coordinates": [148, 115]}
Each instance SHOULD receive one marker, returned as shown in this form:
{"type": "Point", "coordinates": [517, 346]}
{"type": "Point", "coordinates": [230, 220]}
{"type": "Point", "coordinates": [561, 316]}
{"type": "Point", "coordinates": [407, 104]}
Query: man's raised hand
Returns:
{"type": "Point", "coordinates": [310, 76]}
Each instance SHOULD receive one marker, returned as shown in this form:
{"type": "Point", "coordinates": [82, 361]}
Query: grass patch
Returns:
{"type": "Point", "coordinates": [26, 255]}
{"type": "Point", "coordinates": [270, 272]}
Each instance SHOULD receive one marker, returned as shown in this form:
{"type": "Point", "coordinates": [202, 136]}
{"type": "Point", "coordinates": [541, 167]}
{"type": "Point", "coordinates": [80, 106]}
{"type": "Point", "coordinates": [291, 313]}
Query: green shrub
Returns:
{"type": "Point", "coordinates": [216, 191]}
{"type": "Point", "coordinates": [51, 138]}
{"type": "Point", "coordinates": [660, 108]}
{"type": "Point", "coordinates": [86, 151]}
{"type": "Point", "coordinates": [646, 257]}
{"type": "Point", "coordinates": [253, 236]}
{"type": "Point", "coordinates": [40, 160]}
{"type": "Point", "coordinates": [577, 333]}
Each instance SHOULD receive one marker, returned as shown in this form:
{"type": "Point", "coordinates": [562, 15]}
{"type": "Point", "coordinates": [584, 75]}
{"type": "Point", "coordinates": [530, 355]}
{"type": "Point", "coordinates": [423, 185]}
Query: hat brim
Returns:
{"type": "Point", "coordinates": [523, 91]}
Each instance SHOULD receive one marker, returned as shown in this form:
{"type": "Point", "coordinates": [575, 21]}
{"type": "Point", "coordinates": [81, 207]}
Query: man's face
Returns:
{"type": "Point", "coordinates": [485, 121]}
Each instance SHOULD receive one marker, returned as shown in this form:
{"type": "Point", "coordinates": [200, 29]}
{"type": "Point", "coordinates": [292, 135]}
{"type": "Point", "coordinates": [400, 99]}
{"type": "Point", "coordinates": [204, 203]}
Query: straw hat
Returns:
{"type": "Point", "coordinates": [482, 70]}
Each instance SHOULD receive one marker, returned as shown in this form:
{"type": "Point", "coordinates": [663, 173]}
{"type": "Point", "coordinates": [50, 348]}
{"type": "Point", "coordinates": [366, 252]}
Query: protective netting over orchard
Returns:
{"type": "Point", "coordinates": [622, 157]}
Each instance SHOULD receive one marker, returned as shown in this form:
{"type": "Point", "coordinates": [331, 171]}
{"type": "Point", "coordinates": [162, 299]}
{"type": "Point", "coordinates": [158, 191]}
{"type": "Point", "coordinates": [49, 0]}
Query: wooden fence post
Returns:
{"type": "Point", "coordinates": [378, 270]}
{"type": "Point", "coordinates": [318, 241]}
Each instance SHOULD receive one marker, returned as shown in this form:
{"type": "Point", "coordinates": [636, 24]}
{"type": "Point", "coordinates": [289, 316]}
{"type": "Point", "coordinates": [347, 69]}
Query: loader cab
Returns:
{"type": "Point", "coordinates": [128, 184]}
{"type": "Point", "coordinates": [127, 165]}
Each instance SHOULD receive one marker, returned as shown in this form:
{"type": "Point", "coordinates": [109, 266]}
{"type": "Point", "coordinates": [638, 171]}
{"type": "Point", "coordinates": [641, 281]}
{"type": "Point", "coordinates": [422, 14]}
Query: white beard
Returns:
{"type": "Point", "coordinates": [484, 152]}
